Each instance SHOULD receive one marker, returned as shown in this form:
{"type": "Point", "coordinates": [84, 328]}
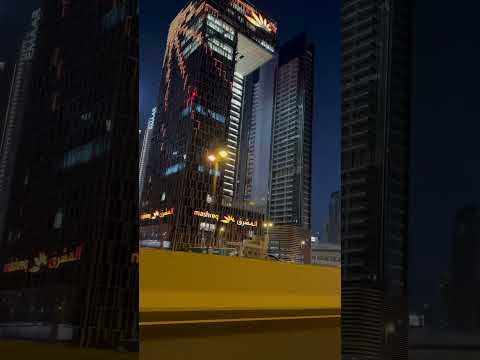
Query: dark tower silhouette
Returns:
{"type": "Point", "coordinates": [72, 222]}
{"type": "Point", "coordinates": [375, 111]}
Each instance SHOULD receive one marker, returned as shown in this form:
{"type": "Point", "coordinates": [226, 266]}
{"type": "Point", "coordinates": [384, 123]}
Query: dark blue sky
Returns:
{"type": "Point", "coordinates": [445, 135]}
{"type": "Point", "coordinates": [320, 20]}
{"type": "Point", "coordinates": [15, 17]}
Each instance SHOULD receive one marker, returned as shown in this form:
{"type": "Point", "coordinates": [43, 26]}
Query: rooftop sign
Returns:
{"type": "Point", "coordinates": [259, 21]}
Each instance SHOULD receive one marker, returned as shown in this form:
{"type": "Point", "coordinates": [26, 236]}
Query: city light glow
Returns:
{"type": "Point", "coordinates": [223, 153]}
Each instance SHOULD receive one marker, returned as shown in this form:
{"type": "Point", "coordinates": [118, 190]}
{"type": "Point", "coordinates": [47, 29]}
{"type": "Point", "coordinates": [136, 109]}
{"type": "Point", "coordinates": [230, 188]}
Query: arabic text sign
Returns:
{"type": "Point", "coordinates": [40, 261]}
{"type": "Point", "coordinates": [157, 214]}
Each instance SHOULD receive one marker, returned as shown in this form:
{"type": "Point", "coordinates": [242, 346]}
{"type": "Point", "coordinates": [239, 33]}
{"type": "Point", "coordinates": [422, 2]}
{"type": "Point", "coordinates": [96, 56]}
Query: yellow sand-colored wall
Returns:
{"type": "Point", "coordinates": [195, 306]}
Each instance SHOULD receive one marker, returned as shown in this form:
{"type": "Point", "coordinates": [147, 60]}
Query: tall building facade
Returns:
{"type": "Point", "coordinates": [256, 135]}
{"type": "Point", "coordinates": [72, 222]}
{"type": "Point", "coordinates": [12, 124]}
{"type": "Point", "coordinates": [291, 151]}
{"type": "Point", "coordinates": [375, 111]}
{"type": "Point", "coordinates": [334, 218]}
{"type": "Point", "coordinates": [190, 192]}
{"type": "Point", "coordinates": [5, 87]}
{"type": "Point", "coordinates": [145, 141]}
{"type": "Point", "coordinates": [463, 291]}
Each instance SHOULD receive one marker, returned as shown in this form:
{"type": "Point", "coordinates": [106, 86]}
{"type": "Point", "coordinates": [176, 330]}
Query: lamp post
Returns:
{"type": "Point", "coordinates": [267, 225]}
{"type": "Point", "coordinates": [222, 231]}
{"type": "Point", "coordinates": [214, 159]}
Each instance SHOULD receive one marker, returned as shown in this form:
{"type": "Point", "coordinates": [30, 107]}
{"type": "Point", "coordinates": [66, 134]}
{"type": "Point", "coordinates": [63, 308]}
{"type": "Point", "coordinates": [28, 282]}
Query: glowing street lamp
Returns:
{"type": "Point", "coordinates": [215, 158]}
{"type": "Point", "coordinates": [268, 225]}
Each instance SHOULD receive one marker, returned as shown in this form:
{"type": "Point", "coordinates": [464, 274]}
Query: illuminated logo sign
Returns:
{"type": "Point", "coordinates": [54, 261]}
{"type": "Point", "coordinates": [252, 16]}
{"type": "Point", "coordinates": [227, 219]}
{"type": "Point", "coordinates": [206, 214]}
{"type": "Point", "coordinates": [259, 21]}
{"type": "Point", "coordinates": [157, 214]}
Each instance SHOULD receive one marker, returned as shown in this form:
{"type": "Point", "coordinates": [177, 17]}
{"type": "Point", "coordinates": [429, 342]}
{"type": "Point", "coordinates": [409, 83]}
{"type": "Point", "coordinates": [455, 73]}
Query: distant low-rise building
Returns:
{"type": "Point", "coordinates": [326, 254]}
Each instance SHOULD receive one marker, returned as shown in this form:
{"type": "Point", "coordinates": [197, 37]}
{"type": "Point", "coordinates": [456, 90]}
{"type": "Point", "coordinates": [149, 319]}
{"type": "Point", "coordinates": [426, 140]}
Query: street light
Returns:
{"type": "Point", "coordinates": [215, 158]}
{"type": "Point", "coordinates": [268, 225]}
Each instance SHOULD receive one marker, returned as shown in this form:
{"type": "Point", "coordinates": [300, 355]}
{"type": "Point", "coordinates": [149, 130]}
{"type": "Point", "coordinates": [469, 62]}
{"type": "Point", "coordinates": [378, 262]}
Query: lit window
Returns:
{"type": "Point", "coordinates": [174, 169]}
{"type": "Point", "coordinates": [57, 223]}
{"type": "Point", "coordinates": [220, 27]}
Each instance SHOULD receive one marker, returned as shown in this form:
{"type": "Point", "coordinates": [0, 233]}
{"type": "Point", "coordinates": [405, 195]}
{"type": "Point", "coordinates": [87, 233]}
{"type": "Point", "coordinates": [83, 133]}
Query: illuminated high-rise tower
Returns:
{"type": "Point", "coordinates": [291, 149]}
{"type": "Point", "coordinates": [192, 171]}
{"type": "Point", "coordinates": [145, 141]}
{"type": "Point", "coordinates": [12, 122]}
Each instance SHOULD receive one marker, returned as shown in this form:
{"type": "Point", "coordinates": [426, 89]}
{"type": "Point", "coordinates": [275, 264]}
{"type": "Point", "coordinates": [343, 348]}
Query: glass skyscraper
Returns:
{"type": "Point", "coordinates": [66, 262]}
{"type": "Point", "coordinates": [291, 150]}
{"type": "Point", "coordinates": [376, 97]}
{"type": "Point", "coordinates": [190, 197]}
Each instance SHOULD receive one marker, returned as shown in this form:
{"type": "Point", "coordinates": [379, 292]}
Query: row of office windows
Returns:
{"type": "Point", "coordinates": [220, 26]}
{"type": "Point", "coordinates": [174, 169]}
{"type": "Point", "coordinates": [84, 153]}
{"type": "Point", "coordinates": [201, 110]}
{"type": "Point", "coordinates": [221, 48]}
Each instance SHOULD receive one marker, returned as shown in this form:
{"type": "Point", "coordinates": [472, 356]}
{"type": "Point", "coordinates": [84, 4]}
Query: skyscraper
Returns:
{"type": "Point", "coordinates": [189, 197]}
{"type": "Point", "coordinates": [256, 135]}
{"type": "Point", "coordinates": [145, 141]}
{"type": "Point", "coordinates": [141, 134]}
{"type": "Point", "coordinates": [5, 85]}
{"type": "Point", "coordinates": [72, 220]}
{"type": "Point", "coordinates": [12, 124]}
{"type": "Point", "coordinates": [291, 152]}
{"type": "Point", "coordinates": [375, 110]}
{"type": "Point", "coordinates": [334, 218]}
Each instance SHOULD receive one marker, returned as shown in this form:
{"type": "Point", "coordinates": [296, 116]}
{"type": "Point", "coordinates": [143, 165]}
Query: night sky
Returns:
{"type": "Point", "coordinates": [14, 19]}
{"type": "Point", "coordinates": [445, 134]}
{"type": "Point", "coordinates": [320, 20]}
